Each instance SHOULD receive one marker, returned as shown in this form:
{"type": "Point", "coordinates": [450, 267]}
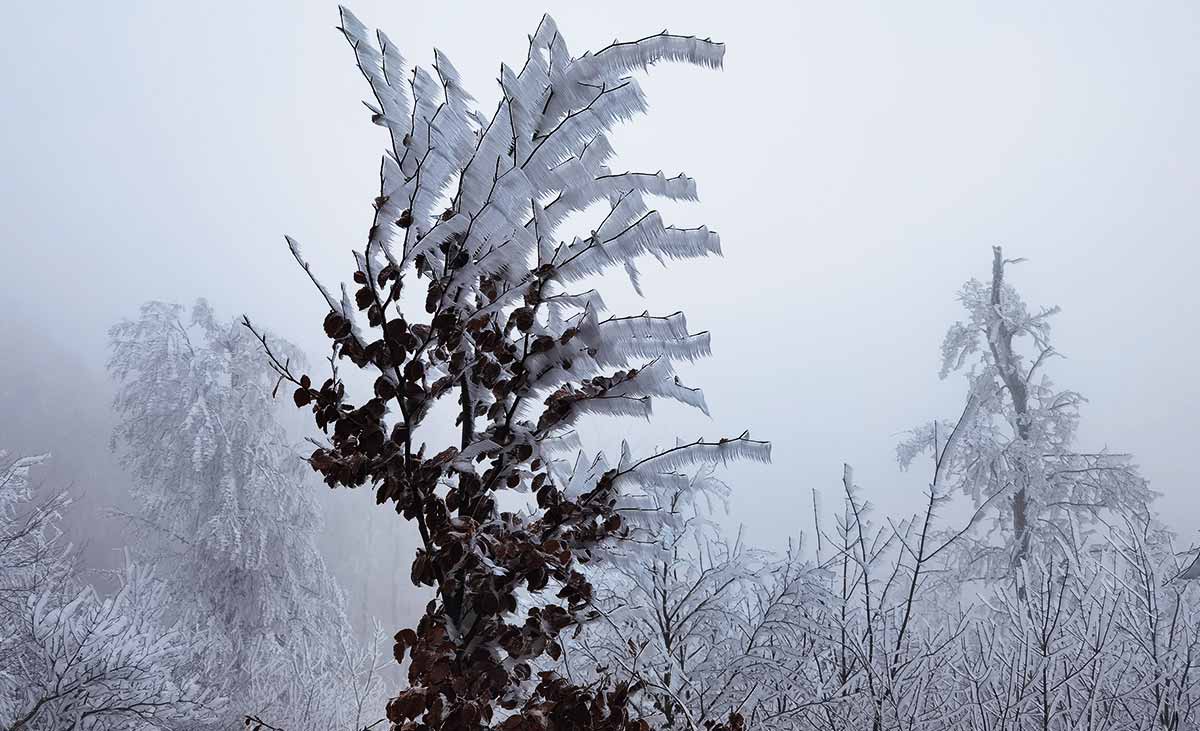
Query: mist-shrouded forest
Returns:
{"type": "Point", "coordinates": [495, 432]}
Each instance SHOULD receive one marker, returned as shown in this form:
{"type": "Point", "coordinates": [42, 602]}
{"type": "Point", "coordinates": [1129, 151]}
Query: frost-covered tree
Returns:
{"type": "Point", "coordinates": [520, 349]}
{"type": "Point", "coordinates": [70, 657]}
{"type": "Point", "coordinates": [1016, 437]}
{"type": "Point", "coordinates": [225, 512]}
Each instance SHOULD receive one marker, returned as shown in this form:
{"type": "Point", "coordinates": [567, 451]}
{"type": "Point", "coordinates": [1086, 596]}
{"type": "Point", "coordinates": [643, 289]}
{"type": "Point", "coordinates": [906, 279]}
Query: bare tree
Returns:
{"type": "Point", "coordinates": [700, 623]}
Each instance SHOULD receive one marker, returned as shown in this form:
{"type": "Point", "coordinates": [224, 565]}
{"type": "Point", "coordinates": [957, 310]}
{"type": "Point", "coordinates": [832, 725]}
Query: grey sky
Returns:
{"type": "Point", "coordinates": [858, 159]}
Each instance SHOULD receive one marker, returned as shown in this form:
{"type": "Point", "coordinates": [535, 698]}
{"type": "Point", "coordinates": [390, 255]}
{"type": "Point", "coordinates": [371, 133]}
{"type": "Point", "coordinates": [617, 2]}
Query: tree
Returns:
{"type": "Point", "coordinates": [472, 204]}
{"type": "Point", "coordinates": [1016, 437]}
{"type": "Point", "coordinates": [225, 511]}
{"type": "Point", "coordinates": [69, 657]}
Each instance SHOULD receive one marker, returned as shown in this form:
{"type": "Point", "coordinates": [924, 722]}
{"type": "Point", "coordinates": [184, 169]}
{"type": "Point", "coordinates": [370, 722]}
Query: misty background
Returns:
{"type": "Point", "coordinates": [858, 159]}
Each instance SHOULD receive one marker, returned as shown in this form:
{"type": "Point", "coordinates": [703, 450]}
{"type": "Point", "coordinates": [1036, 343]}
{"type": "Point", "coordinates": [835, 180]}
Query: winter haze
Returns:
{"type": "Point", "coordinates": [858, 159]}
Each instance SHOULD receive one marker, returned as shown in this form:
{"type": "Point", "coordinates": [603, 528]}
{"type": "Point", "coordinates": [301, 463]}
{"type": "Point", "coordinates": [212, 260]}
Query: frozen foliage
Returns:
{"type": "Point", "coordinates": [69, 657]}
{"type": "Point", "coordinates": [511, 336]}
{"type": "Point", "coordinates": [224, 511]}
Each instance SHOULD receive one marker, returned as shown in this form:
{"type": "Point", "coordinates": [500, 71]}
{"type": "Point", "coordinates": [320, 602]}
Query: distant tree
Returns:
{"type": "Point", "coordinates": [224, 511]}
{"type": "Point", "coordinates": [472, 204]}
{"type": "Point", "coordinates": [1016, 437]}
{"type": "Point", "coordinates": [69, 657]}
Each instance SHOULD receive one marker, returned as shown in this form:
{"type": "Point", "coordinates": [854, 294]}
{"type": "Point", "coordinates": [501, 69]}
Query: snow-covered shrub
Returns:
{"type": "Point", "coordinates": [70, 657]}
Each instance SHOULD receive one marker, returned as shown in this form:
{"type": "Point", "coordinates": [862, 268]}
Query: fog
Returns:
{"type": "Point", "coordinates": [858, 159]}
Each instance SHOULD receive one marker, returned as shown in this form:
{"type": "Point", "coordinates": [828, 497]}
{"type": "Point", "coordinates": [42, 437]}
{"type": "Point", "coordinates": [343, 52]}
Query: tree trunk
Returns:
{"type": "Point", "coordinates": [1000, 341]}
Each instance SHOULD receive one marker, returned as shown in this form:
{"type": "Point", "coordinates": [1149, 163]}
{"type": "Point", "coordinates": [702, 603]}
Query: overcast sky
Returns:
{"type": "Point", "coordinates": [859, 160]}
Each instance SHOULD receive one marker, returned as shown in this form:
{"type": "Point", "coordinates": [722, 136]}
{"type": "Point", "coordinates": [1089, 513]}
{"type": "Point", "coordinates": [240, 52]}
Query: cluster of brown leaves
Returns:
{"type": "Point", "coordinates": [472, 657]}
